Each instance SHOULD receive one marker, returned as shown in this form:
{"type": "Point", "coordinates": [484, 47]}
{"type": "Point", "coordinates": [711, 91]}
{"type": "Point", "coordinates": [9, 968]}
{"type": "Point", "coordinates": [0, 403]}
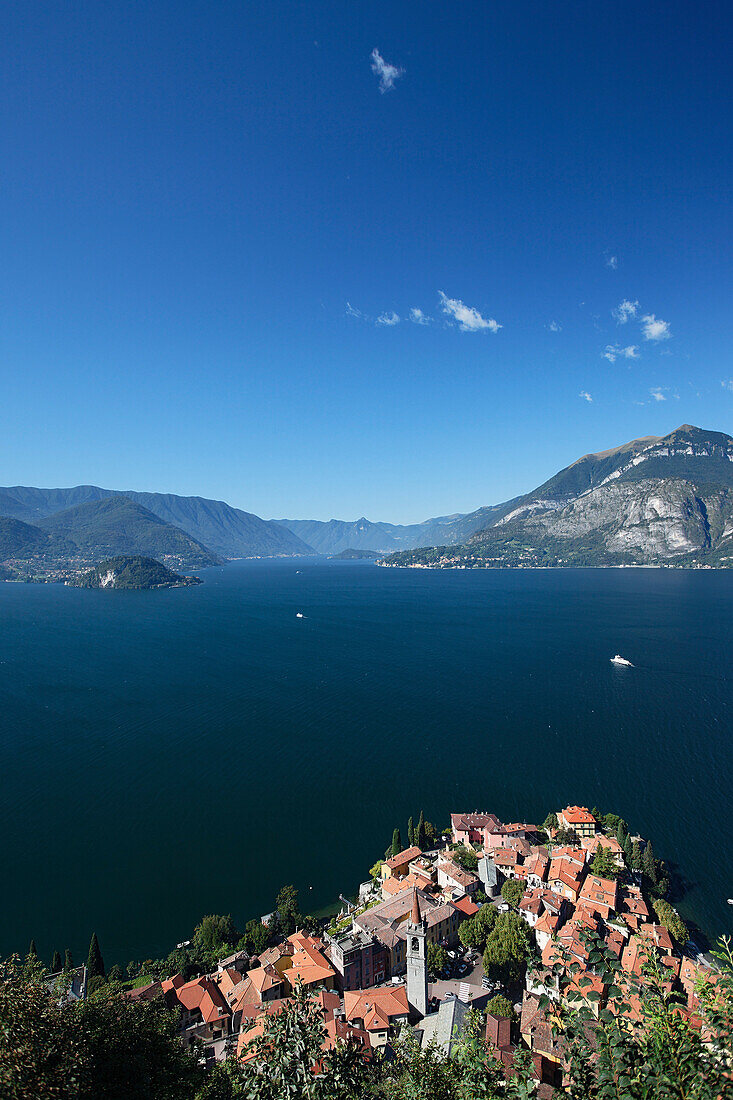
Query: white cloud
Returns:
{"type": "Point", "coordinates": [351, 311]}
{"type": "Point", "coordinates": [727, 384]}
{"type": "Point", "coordinates": [469, 319]}
{"type": "Point", "coordinates": [612, 262]}
{"type": "Point", "coordinates": [387, 73]}
{"type": "Point", "coordinates": [654, 329]}
{"type": "Point", "coordinates": [390, 318]}
{"type": "Point", "coordinates": [658, 393]}
{"type": "Point", "coordinates": [614, 352]}
{"type": "Point", "coordinates": [625, 310]}
{"type": "Point", "coordinates": [554, 327]}
{"type": "Point", "coordinates": [585, 395]}
{"type": "Point", "coordinates": [419, 318]}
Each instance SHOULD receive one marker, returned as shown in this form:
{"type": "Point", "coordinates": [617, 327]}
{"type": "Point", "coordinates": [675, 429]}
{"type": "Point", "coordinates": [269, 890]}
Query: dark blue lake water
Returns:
{"type": "Point", "coordinates": [168, 754]}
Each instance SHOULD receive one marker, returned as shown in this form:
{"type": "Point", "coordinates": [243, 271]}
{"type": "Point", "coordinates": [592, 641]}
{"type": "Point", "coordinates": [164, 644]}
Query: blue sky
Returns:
{"type": "Point", "coordinates": [207, 209]}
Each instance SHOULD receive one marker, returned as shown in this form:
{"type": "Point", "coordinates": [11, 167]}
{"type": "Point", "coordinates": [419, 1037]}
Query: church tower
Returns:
{"type": "Point", "coordinates": [417, 960]}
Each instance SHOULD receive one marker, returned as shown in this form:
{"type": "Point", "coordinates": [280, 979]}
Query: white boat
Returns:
{"type": "Point", "coordinates": [299, 615]}
{"type": "Point", "coordinates": [617, 660]}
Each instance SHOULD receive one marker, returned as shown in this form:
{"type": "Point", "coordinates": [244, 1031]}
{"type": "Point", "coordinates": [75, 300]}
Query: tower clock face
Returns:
{"type": "Point", "coordinates": [415, 943]}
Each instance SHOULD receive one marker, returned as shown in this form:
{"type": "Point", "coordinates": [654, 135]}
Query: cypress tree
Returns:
{"type": "Point", "coordinates": [635, 856]}
{"type": "Point", "coordinates": [32, 950]}
{"type": "Point", "coordinates": [628, 851]}
{"type": "Point", "coordinates": [68, 959]}
{"type": "Point", "coordinates": [55, 962]}
{"type": "Point", "coordinates": [421, 838]}
{"type": "Point", "coordinates": [621, 833]}
{"type": "Point", "coordinates": [95, 962]}
{"type": "Point", "coordinates": [649, 864]}
{"type": "Point", "coordinates": [410, 832]}
{"type": "Point", "coordinates": [396, 842]}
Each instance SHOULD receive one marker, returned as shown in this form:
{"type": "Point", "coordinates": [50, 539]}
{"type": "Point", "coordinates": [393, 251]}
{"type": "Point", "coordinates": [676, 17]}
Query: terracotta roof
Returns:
{"type": "Point", "coordinates": [204, 994]}
{"type": "Point", "coordinates": [466, 822]}
{"type": "Point", "coordinates": [403, 857]}
{"type": "Point", "coordinates": [578, 815]}
{"type": "Point", "coordinates": [310, 966]}
{"type": "Point", "coordinates": [393, 885]}
{"type": "Point", "coordinates": [463, 878]}
{"type": "Point", "coordinates": [467, 906]}
{"type": "Point", "coordinates": [376, 1007]}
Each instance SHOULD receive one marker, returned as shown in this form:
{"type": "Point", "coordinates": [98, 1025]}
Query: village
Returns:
{"type": "Point", "coordinates": [513, 939]}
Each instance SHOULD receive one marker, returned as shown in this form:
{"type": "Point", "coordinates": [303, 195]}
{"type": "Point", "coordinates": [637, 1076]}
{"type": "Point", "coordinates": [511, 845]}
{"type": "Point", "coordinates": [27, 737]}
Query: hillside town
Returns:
{"type": "Point", "coordinates": [415, 950]}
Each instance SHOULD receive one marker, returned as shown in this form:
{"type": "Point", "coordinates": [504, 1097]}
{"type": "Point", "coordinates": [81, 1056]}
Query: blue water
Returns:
{"type": "Point", "coordinates": [168, 754]}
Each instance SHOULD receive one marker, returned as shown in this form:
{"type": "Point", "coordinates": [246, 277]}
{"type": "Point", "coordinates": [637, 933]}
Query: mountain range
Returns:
{"type": "Point", "coordinates": [656, 500]}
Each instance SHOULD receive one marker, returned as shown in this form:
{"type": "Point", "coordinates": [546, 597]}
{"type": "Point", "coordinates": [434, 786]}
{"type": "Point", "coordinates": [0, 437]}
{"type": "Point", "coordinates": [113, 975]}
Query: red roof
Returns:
{"type": "Point", "coordinates": [467, 906]}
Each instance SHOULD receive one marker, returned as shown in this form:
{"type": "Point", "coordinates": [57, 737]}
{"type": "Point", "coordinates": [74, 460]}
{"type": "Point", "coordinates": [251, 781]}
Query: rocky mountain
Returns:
{"type": "Point", "coordinates": [333, 536]}
{"type": "Point", "coordinates": [227, 532]}
{"type": "Point", "coordinates": [135, 572]}
{"type": "Point", "coordinates": [656, 500]}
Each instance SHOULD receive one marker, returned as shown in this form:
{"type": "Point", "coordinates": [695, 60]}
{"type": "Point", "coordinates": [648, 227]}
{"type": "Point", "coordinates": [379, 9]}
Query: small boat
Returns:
{"type": "Point", "coordinates": [299, 615]}
{"type": "Point", "coordinates": [617, 660]}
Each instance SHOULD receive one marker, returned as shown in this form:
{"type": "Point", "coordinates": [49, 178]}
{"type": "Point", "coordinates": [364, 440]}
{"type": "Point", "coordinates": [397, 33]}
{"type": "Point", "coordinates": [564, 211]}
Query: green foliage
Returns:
{"type": "Point", "coordinates": [256, 936]}
{"type": "Point", "coordinates": [636, 864]}
{"type": "Point", "coordinates": [649, 863]}
{"type": "Point", "coordinates": [500, 1006]}
{"type": "Point", "coordinates": [410, 832]}
{"type": "Point", "coordinates": [95, 962]}
{"type": "Point", "coordinates": [475, 931]}
{"type": "Point", "coordinates": [507, 949]}
{"type": "Point", "coordinates": [32, 951]}
{"type": "Point", "coordinates": [512, 892]}
{"type": "Point", "coordinates": [437, 960]}
{"type": "Point", "coordinates": [420, 833]}
{"type": "Point", "coordinates": [465, 858]}
{"type": "Point", "coordinates": [567, 836]}
{"type": "Point", "coordinates": [214, 937]}
{"type": "Point", "coordinates": [396, 842]}
{"type": "Point", "coordinates": [68, 959]}
{"type": "Point", "coordinates": [604, 865]}
{"type": "Point", "coordinates": [134, 572]}
{"type": "Point", "coordinates": [550, 822]}
{"type": "Point", "coordinates": [672, 921]}
{"type": "Point", "coordinates": [55, 963]}
{"type": "Point", "coordinates": [288, 913]}
{"type": "Point", "coordinates": [104, 1048]}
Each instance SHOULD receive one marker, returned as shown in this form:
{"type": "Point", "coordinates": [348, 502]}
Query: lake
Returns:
{"type": "Point", "coordinates": [173, 753]}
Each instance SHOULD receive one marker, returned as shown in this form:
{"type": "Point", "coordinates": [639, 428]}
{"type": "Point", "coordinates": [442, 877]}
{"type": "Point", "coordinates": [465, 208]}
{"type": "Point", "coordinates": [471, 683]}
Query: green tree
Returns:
{"type": "Point", "coordinates": [115, 973]}
{"type": "Point", "coordinates": [621, 833]}
{"type": "Point", "coordinates": [649, 863]}
{"type": "Point", "coordinates": [507, 949]}
{"type": "Point", "coordinates": [465, 858]}
{"type": "Point", "coordinates": [95, 962]}
{"type": "Point", "coordinates": [257, 936]}
{"type": "Point", "coordinates": [628, 851]}
{"type": "Point", "coordinates": [396, 842]}
{"type": "Point", "coordinates": [421, 836]}
{"type": "Point", "coordinates": [636, 864]}
{"type": "Point", "coordinates": [376, 870]}
{"type": "Point", "coordinates": [32, 951]}
{"type": "Point", "coordinates": [672, 921]}
{"type": "Point", "coordinates": [213, 937]}
{"type": "Point", "coordinates": [437, 960]}
{"type": "Point", "coordinates": [604, 865]}
{"type": "Point", "coordinates": [288, 913]}
{"type": "Point", "coordinates": [68, 959]}
{"type": "Point", "coordinates": [500, 1006]}
{"type": "Point", "coordinates": [550, 822]}
{"type": "Point", "coordinates": [410, 832]}
{"type": "Point", "coordinates": [512, 892]}
{"type": "Point", "coordinates": [55, 963]}
{"type": "Point", "coordinates": [567, 836]}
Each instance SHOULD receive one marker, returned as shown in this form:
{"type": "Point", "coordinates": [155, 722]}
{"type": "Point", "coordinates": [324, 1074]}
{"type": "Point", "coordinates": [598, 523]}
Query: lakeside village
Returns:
{"type": "Point", "coordinates": [492, 917]}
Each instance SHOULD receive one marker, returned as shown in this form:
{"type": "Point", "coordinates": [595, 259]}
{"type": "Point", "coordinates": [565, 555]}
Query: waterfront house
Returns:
{"type": "Point", "coordinates": [378, 1012]}
{"type": "Point", "coordinates": [579, 819]}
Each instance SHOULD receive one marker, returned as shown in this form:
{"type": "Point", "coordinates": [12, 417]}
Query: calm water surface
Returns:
{"type": "Point", "coordinates": [167, 754]}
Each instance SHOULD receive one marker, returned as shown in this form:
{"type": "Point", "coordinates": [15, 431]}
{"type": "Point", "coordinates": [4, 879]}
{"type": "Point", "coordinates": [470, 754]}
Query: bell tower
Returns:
{"type": "Point", "coordinates": [417, 960]}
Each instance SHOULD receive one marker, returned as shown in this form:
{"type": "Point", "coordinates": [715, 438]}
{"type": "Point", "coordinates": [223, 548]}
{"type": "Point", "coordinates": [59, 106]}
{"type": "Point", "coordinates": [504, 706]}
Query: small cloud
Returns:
{"type": "Point", "coordinates": [352, 312]}
{"type": "Point", "coordinates": [387, 73]}
{"type": "Point", "coordinates": [625, 310]}
{"type": "Point", "coordinates": [419, 318]}
{"type": "Point", "coordinates": [554, 327]}
{"type": "Point", "coordinates": [469, 319]}
{"type": "Point", "coordinates": [727, 384]}
{"type": "Point", "coordinates": [614, 352]}
{"type": "Point", "coordinates": [612, 262]}
{"type": "Point", "coordinates": [659, 393]}
{"type": "Point", "coordinates": [390, 318]}
{"type": "Point", "coordinates": [654, 329]}
{"type": "Point", "coordinates": [585, 395]}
